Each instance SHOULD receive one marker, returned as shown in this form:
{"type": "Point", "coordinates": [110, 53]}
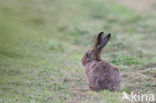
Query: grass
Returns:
{"type": "Point", "coordinates": [42, 43]}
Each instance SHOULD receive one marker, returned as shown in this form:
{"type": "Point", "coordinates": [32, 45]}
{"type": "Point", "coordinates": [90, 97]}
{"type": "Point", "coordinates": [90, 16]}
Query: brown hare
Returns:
{"type": "Point", "coordinates": [101, 74]}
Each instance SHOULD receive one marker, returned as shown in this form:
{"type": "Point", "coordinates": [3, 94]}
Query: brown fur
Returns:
{"type": "Point", "coordinates": [101, 74]}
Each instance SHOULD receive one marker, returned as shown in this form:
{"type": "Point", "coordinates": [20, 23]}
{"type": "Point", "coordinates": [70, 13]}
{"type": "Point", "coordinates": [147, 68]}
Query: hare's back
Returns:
{"type": "Point", "coordinates": [108, 73]}
{"type": "Point", "coordinates": [104, 75]}
{"type": "Point", "coordinates": [99, 72]}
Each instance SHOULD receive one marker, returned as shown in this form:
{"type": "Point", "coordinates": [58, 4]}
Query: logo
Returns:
{"type": "Point", "coordinates": [138, 97]}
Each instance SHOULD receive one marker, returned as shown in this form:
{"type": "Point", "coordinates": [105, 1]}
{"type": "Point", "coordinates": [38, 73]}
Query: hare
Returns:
{"type": "Point", "coordinates": [101, 74]}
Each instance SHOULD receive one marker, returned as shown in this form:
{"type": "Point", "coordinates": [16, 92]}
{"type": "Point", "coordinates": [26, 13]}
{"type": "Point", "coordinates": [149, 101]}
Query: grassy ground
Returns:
{"type": "Point", "coordinates": [42, 43]}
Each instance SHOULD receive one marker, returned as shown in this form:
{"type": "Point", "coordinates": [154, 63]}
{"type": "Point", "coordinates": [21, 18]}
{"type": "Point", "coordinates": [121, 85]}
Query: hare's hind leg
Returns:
{"type": "Point", "coordinates": [94, 88]}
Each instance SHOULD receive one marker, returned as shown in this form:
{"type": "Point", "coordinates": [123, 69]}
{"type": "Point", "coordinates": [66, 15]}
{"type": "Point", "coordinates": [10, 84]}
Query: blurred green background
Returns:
{"type": "Point", "coordinates": [42, 43]}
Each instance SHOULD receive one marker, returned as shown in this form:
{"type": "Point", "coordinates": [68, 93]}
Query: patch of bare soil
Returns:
{"type": "Point", "coordinates": [139, 5]}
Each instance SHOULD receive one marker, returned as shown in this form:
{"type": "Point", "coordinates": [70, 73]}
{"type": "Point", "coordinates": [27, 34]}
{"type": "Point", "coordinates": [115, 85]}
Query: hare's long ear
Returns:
{"type": "Point", "coordinates": [98, 41]}
{"type": "Point", "coordinates": [97, 45]}
{"type": "Point", "coordinates": [105, 40]}
{"type": "Point", "coordinates": [101, 43]}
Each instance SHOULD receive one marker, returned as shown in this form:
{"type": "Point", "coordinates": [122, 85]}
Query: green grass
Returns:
{"type": "Point", "coordinates": [42, 43]}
